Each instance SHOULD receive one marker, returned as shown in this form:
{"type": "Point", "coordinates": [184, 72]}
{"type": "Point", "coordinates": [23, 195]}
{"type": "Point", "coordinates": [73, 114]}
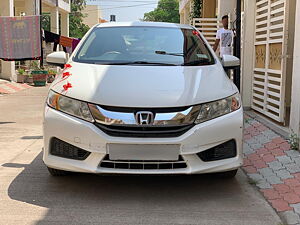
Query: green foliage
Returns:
{"type": "Point", "coordinates": [166, 11]}
{"type": "Point", "coordinates": [21, 71]}
{"type": "Point", "coordinates": [196, 9]}
{"type": "Point", "coordinates": [248, 120]}
{"type": "Point", "coordinates": [77, 27]}
{"type": "Point", "coordinates": [294, 141]}
{"type": "Point", "coordinates": [35, 65]}
{"type": "Point", "coordinates": [46, 21]}
{"type": "Point", "coordinates": [50, 71]}
{"type": "Point", "coordinates": [252, 181]}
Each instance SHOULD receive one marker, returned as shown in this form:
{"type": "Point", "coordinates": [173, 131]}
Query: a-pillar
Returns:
{"type": "Point", "coordinates": [65, 24]}
{"type": "Point", "coordinates": [295, 104]}
{"type": "Point", "coordinates": [7, 68]}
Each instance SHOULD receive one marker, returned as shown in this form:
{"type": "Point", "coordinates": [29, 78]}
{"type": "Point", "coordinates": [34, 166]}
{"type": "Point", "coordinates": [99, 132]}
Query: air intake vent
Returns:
{"type": "Point", "coordinates": [146, 132]}
{"type": "Point", "coordinates": [142, 165]}
{"type": "Point", "coordinates": [66, 150]}
{"type": "Point", "coordinates": [224, 151]}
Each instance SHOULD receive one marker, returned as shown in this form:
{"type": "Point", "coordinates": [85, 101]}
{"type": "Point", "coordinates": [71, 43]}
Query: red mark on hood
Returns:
{"type": "Point", "coordinates": [67, 86]}
{"type": "Point", "coordinates": [66, 74]}
{"type": "Point", "coordinates": [67, 66]}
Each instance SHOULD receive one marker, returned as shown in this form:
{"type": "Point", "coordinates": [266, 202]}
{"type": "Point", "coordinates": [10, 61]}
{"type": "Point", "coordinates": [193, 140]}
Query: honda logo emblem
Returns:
{"type": "Point", "coordinates": [144, 118]}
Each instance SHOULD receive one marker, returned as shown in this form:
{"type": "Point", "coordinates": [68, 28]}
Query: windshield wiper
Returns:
{"type": "Point", "coordinates": [197, 63]}
{"type": "Point", "coordinates": [138, 63]}
{"type": "Point", "coordinates": [169, 53]}
{"type": "Point", "coordinates": [153, 63]}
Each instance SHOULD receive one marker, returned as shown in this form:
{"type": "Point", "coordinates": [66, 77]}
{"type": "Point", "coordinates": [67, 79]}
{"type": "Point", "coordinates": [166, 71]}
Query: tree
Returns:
{"type": "Point", "coordinates": [46, 21]}
{"type": "Point", "coordinates": [166, 11]}
{"type": "Point", "coordinates": [196, 8]}
{"type": "Point", "coordinates": [76, 25]}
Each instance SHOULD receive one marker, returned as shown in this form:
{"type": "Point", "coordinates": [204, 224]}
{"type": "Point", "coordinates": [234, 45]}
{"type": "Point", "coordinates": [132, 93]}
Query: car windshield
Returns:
{"type": "Point", "coordinates": [144, 45]}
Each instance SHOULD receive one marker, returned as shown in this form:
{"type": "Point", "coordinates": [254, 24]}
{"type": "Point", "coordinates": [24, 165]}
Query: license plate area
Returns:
{"type": "Point", "coordinates": [168, 152]}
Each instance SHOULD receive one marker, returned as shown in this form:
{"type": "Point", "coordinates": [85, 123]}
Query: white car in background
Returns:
{"type": "Point", "coordinates": [143, 98]}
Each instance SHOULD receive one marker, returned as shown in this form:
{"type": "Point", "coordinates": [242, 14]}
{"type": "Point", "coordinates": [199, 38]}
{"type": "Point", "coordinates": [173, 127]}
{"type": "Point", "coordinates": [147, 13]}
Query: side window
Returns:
{"type": "Point", "coordinates": [195, 48]}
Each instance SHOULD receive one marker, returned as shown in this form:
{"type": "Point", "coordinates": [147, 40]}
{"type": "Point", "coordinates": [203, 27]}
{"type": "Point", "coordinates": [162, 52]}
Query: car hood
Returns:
{"type": "Point", "coordinates": [144, 86]}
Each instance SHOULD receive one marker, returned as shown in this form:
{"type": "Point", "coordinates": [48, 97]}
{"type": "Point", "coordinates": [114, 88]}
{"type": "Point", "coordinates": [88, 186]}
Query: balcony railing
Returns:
{"type": "Point", "coordinates": [62, 4]}
{"type": "Point", "coordinates": [53, 2]}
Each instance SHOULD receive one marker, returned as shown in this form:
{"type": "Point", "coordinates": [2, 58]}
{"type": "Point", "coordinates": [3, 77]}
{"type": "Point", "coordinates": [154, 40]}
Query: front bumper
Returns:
{"type": "Point", "coordinates": [87, 136]}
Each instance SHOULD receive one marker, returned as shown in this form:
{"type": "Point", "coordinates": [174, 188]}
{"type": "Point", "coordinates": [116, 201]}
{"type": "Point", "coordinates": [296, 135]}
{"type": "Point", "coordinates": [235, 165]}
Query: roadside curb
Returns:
{"type": "Point", "coordinates": [274, 168]}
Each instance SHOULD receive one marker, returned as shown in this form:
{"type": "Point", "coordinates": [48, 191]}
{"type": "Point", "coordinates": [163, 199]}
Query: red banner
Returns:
{"type": "Point", "coordinates": [20, 38]}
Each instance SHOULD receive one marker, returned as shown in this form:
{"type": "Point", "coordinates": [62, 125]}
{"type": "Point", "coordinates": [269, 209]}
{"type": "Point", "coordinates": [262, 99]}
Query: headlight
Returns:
{"type": "Point", "coordinates": [70, 106]}
{"type": "Point", "coordinates": [218, 108]}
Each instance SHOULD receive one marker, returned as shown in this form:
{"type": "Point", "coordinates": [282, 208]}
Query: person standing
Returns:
{"type": "Point", "coordinates": [224, 38]}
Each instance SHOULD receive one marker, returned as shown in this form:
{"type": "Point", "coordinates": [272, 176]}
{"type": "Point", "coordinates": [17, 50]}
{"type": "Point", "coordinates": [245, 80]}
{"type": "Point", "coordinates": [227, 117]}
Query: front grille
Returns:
{"type": "Point", "coordinates": [144, 131]}
{"type": "Point", "coordinates": [159, 122]}
{"type": "Point", "coordinates": [142, 165]}
{"type": "Point", "coordinates": [134, 110]}
{"type": "Point", "coordinates": [223, 151]}
{"type": "Point", "coordinates": [66, 150]}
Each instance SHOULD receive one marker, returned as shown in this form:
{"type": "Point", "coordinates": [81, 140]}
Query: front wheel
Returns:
{"type": "Point", "coordinates": [228, 174]}
{"type": "Point", "coordinates": [56, 173]}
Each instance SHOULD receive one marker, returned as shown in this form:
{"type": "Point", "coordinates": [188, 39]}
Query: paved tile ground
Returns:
{"type": "Point", "coordinates": [7, 87]}
{"type": "Point", "coordinates": [29, 195]}
{"type": "Point", "coordinates": [274, 168]}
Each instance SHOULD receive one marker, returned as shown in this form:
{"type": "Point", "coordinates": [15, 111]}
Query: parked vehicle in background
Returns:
{"type": "Point", "coordinates": [143, 98]}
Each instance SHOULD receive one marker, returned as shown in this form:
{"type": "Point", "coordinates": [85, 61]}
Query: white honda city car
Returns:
{"type": "Point", "coordinates": [143, 98]}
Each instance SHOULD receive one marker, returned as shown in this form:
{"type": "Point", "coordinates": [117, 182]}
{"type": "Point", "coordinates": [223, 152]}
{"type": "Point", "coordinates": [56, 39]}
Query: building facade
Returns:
{"type": "Point", "coordinates": [210, 9]}
{"type": "Point", "coordinates": [92, 15]}
{"type": "Point", "coordinates": [270, 62]}
{"type": "Point", "coordinates": [59, 19]}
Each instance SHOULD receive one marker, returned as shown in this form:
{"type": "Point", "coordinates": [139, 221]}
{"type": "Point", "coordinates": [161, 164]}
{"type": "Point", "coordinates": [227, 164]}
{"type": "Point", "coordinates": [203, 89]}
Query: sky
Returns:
{"type": "Point", "coordinates": [125, 10]}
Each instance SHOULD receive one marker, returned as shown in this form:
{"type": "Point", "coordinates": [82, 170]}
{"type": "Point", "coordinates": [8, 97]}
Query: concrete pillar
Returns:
{"type": "Point", "coordinates": [226, 7]}
{"type": "Point", "coordinates": [7, 68]}
{"type": "Point", "coordinates": [30, 8]}
{"type": "Point", "coordinates": [7, 8]}
{"type": "Point", "coordinates": [248, 53]}
{"type": "Point", "coordinates": [65, 24]}
{"type": "Point", "coordinates": [182, 18]}
{"type": "Point", "coordinates": [187, 13]}
{"type": "Point", "coordinates": [295, 102]}
{"type": "Point", "coordinates": [54, 20]}
{"type": "Point", "coordinates": [209, 8]}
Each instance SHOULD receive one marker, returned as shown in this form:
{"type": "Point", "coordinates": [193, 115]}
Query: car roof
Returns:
{"type": "Point", "coordinates": [144, 24]}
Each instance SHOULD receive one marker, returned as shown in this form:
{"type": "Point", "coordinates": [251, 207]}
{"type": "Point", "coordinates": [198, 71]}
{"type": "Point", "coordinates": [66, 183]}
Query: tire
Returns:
{"type": "Point", "coordinates": [57, 173]}
{"type": "Point", "coordinates": [228, 174]}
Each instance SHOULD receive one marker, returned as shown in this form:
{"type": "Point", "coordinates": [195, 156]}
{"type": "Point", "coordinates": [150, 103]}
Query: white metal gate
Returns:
{"type": "Point", "coordinates": [242, 42]}
{"type": "Point", "coordinates": [268, 86]}
{"type": "Point", "coordinates": [208, 27]}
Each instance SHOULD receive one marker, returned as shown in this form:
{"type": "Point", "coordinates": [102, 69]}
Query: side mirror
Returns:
{"type": "Point", "coordinates": [230, 61]}
{"type": "Point", "coordinates": [57, 58]}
